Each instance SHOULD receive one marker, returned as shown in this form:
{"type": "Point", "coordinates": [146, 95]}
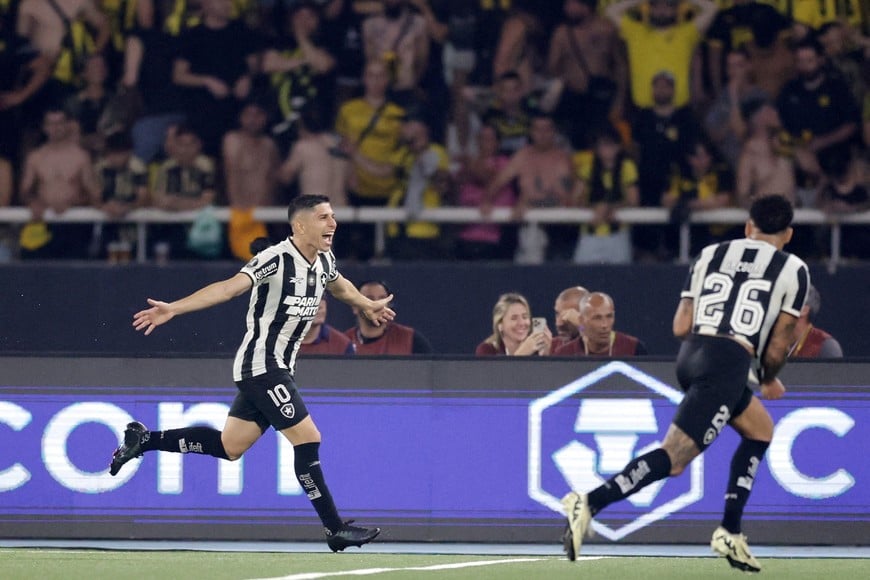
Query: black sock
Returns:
{"type": "Point", "coordinates": [308, 472]}
{"type": "Point", "coordinates": [204, 440]}
{"type": "Point", "coordinates": [639, 473]}
{"type": "Point", "coordinates": [744, 466]}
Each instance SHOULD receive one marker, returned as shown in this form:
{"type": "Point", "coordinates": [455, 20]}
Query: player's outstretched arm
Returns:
{"type": "Point", "coordinates": [216, 293]}
{"type": "Point", "coordinates": [378, 311]}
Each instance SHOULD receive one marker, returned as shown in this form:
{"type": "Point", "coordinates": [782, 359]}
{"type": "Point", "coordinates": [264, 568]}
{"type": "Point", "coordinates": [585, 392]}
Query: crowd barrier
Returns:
{"type": "Point", "coordinates": [430, 450]}
{"type": "Point", "coordinates": [451, 215]}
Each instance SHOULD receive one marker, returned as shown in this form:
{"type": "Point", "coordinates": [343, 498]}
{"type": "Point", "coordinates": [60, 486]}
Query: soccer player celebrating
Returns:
{"type": "Point", "coordinates": [737, 314]}
{"type": "Point", "coordinates": [288, 279]}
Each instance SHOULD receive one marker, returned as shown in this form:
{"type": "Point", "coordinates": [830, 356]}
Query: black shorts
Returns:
{"type": "Point", "coordinates": [269, 399]}
{"type": "Point", "coordinates": [713, 372]}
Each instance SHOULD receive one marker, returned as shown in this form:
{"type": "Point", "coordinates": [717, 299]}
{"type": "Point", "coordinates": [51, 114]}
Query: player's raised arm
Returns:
{"type": "Point", "coordinates": [378, 311]}
{"type": "Point", "coordinates": [216, 293]}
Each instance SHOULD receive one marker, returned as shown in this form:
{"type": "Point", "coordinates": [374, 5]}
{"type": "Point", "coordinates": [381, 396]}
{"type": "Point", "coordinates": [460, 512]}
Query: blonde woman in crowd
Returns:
{"type": "Point", "coordinates": [512, 330]}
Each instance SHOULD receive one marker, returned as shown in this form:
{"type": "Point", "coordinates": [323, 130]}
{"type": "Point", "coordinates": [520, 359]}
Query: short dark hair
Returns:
{"type": "Point", "coordinates": [303, 203]}
{"type": "Point", "coordinates": [772, 214]}
{"type": "Point", "coordinates": [378, 282]}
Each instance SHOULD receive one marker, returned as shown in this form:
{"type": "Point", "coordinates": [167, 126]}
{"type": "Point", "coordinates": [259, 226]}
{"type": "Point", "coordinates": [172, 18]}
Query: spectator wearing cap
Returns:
{"type": "Point", "coordinates": [662, 42]}
{"type": "Point", "coordinates": [391, 338]}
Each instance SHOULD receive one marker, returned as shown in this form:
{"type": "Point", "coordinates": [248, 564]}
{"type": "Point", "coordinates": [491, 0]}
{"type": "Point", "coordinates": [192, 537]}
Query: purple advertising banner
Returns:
{"type": "Point", "coordinates": [451, 458]}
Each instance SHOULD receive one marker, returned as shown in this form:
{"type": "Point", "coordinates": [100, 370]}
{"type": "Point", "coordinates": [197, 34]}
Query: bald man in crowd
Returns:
{"type": "Point", "coordinates": [809, 340]}
{"type": "Point", "coordinates": [567, 309]}
{"type": "Point", "coordinates": [597, 337]}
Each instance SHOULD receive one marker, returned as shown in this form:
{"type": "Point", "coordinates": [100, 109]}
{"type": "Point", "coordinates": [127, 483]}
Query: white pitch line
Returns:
{"type": "Point", "coordinates": [371, 571]}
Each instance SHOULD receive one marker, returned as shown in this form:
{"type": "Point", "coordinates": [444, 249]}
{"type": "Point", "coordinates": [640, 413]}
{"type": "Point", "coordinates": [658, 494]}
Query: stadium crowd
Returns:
{"type": "Point", "coordinates": [187, 104]}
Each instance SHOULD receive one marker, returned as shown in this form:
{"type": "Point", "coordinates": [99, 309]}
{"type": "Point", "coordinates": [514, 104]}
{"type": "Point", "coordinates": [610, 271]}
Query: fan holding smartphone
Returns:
{"type": "Point", "coordinates": [541, 334]}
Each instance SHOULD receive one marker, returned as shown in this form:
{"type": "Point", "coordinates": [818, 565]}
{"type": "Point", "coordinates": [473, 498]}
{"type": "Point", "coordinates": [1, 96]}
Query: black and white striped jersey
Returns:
{"type": "Point", "coordinates": [740, 287]}
{"type": "Point", "coordinates": [286, 292]}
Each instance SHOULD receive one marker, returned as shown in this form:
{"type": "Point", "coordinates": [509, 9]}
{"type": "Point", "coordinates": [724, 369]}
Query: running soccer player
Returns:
{"type": "Point", "coordinates": [737, 313]}
{"type": "Point", "coordinates": [288, 280]}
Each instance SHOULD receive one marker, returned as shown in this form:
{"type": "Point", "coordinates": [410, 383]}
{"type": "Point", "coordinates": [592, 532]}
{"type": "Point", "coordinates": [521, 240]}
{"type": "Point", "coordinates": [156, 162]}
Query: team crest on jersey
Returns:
{"type": "Point", "coordinates": [288, 410]}
{"type": "Point", "coordinates": [323, 278]}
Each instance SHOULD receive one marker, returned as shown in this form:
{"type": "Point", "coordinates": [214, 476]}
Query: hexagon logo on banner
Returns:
{"type": "Point", "coordinates": [609, 428]}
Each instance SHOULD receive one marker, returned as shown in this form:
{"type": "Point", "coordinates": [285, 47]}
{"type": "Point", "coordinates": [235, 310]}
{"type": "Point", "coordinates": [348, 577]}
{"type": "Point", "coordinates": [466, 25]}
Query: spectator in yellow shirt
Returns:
{"type": "Point", "coordinates": [661, 43]}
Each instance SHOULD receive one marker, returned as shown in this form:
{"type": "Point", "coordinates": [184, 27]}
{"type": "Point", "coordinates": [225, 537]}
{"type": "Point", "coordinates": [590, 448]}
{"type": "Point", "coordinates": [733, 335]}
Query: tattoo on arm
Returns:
{"type": "Point", "coordinates": [777, 350]}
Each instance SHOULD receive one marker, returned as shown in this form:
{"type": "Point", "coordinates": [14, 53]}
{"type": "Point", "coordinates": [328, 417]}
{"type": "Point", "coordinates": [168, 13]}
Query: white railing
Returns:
{"type": "Point", "coordinates": [447, 215]}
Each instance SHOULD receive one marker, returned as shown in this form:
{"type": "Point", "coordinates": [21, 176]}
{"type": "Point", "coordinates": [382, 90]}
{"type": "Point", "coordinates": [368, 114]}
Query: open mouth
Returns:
{"type": "Point", "coordinates": [328, 238]}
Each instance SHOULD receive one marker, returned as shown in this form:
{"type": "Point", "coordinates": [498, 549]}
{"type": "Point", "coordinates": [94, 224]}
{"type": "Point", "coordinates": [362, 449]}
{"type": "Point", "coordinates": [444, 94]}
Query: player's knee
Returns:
{"type": "Point", "coordinates": [304, 432]}
{"type": "Point", "coordinates": [677, 470]}
{"type": "Point", "coordinates": [313, 436]}
{"type": "Point", "coordinates": [234, 449]}
{"type": "Point", "coordinates": [233, 454]}
{"type": "Point", "coordinates": [764, 433]}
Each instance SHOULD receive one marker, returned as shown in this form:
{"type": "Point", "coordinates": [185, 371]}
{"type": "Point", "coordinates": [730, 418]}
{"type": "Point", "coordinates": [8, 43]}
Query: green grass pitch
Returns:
{"type": "Point", "coordinates": [51, 564]}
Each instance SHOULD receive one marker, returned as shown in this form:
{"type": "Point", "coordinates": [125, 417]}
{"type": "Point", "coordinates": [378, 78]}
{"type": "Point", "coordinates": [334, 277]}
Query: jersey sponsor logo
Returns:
{"type": "Point", "coordinates": [607, 433]}
{"type": "Point", "coordinates": [303, 307]}
{"type": "Point", "coordinates": [266, 270]}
